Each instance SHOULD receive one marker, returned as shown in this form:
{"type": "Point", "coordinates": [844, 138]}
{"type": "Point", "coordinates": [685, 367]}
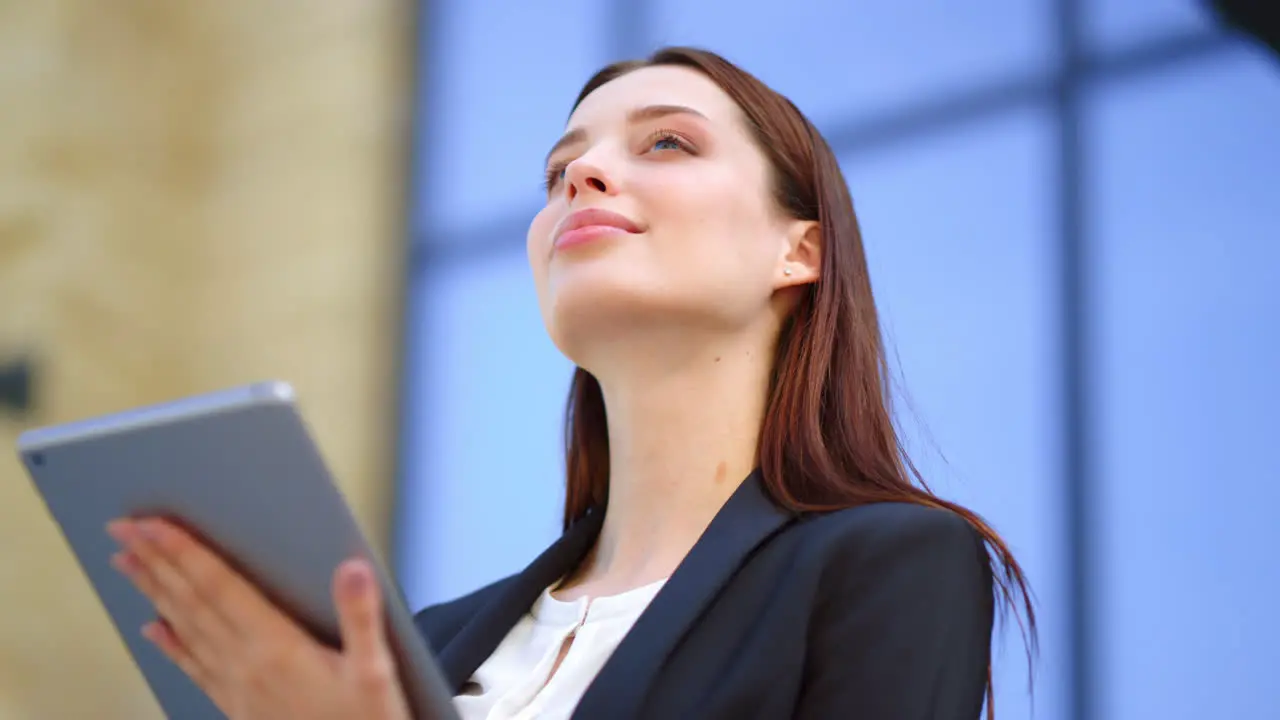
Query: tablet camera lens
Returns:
{"type": "Point", "coordinates": [37, 459]}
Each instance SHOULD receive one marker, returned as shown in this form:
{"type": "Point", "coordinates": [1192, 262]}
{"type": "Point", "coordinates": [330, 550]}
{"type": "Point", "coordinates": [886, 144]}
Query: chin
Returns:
{"type": "Point", "coordinates": [584, 316]}
{"type": "Point", "coordinates": [611, 323]}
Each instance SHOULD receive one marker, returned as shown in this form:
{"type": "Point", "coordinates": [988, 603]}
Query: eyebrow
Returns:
{"type": "Point", "coordinates": [640, 114]}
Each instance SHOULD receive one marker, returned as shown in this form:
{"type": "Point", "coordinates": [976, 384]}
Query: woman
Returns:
{"type": "Point", "coordinates": [743, 537]}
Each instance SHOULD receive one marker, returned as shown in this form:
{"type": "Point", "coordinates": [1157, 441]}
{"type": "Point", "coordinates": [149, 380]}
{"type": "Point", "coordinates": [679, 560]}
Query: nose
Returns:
{"type": "Point", "coordinates": [584, 176]}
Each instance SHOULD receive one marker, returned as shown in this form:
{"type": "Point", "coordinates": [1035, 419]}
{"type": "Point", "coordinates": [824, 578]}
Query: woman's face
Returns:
{"type": "Point", "coordinates": [659, 216]}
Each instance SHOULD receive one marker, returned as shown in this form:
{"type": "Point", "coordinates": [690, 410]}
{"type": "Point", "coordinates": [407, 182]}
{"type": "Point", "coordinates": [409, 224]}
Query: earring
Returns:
{"type": "Point", "coordinates": [786, 271]}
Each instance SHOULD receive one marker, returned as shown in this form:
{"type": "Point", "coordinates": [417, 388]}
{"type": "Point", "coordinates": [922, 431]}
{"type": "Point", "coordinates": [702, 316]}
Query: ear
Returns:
{"type": "Point", "coordinates": [800, 261]}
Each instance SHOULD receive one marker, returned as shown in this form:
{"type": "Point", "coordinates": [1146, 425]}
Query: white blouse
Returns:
{"type": "Point", "coordinates": [517, 682]}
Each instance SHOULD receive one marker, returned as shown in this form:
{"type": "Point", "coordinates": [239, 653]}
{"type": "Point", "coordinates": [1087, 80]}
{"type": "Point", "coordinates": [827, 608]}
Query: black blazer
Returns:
{"type": "Point", "coordinates": [881, 612]}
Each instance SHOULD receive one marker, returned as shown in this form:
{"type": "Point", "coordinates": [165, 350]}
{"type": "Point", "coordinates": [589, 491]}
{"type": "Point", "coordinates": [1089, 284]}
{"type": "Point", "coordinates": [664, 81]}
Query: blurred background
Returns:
{"type": "Point", "coordinates": [1071, 209]}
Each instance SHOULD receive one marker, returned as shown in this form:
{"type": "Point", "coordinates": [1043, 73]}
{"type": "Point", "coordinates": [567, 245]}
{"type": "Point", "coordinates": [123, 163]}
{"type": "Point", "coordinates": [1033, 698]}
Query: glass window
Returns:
{"type": "Point", "coordinates": [1185, 198]}
{"type": "Point", "coordinates": [1112, 25]}
{"type": "Point", "coordinates": [484, 486]}
{"type": "Point", "coordinates": [841, 61]}
{"type": "Point", "coordinates": [960, 235]}
{"type": "Point", "coordinates": [500, 78]}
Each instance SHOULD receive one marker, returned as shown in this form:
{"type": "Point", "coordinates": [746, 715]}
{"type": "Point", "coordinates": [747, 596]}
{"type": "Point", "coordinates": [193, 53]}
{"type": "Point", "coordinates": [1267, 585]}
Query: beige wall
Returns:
{"type": "Point", "coordinates": [192, 195]}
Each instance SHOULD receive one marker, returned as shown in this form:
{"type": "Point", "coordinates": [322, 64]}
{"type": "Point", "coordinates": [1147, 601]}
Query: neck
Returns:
{"type": "Point", "coordinates": [682, 438]}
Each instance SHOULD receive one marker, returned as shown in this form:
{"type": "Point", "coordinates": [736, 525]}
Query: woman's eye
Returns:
{"type": "Point", "coordinates": [662, 140]}
{"type": "Point", "coordinates": [667, 143]}
{"type": "Point", "coordinates": [555, 174]}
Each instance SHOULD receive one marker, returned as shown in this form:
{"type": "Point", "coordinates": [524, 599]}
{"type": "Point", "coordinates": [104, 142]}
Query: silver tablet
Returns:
{"type": "Point", "coordinates": [240, 469]}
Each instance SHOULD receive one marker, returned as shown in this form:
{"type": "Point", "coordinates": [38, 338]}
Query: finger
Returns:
{"type": "Point", "coordinates": [202, 630]}
{"type": "Point", "coordinates": [127, 563]}
{"type": "Point", "coordinates": [162, 635]}
{"type": "Point", "coordinates": [360, 612]}
{"type": "Point", "coordinates": [137, 571]}
{"type": "Point", "coordinates": [365, 650]}
{"type": "Point", "coordinates": [140, 573]}
{"type": "Point", "coordinates": [224, 593]}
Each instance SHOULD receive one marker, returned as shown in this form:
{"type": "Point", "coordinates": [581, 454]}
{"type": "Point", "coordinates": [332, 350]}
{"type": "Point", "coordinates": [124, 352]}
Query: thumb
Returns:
{"type": "Point", "coordinates": [360, 613]}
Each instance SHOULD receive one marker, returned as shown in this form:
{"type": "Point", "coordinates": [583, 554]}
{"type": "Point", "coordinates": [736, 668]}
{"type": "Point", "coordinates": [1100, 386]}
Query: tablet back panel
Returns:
{"type": "Point", "coordinates": [239, 469]}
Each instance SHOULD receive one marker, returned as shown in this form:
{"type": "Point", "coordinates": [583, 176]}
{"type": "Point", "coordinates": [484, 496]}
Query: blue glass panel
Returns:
{"type": "Point", "coordinates": [842, 61]}
{"type": "Point", "coordinates": [1185, 193]}
{"type": "Point", "coordinates": [484, 476]}
{"type": "Point", "coordinates": [500, 79]}
{"type": "Point", "coordinates": [1112, 26]}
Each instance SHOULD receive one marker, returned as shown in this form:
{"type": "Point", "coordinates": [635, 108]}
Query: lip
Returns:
{"type": "Point", "coordinates": [590, 224]}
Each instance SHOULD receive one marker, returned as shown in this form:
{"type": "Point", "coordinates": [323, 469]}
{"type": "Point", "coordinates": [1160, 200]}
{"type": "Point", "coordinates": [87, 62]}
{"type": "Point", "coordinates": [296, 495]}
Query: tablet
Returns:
{"type": "Point", "coordinates": [240, 468]}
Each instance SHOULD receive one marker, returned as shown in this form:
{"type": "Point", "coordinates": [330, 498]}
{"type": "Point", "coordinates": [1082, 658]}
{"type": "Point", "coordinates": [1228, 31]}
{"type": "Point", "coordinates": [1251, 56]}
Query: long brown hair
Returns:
{"type": "Point", "coordinates": [828, 440]}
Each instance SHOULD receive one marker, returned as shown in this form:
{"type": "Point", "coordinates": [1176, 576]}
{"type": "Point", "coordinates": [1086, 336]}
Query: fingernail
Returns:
{"type": "Point", "coordinates": [357, 580]}
{"type": "Point", "coordinates": [149, 529]}
{"type": "Point", "coordinates": [119, 530]}
{"type": "Point", "coordinates": [124, 561]}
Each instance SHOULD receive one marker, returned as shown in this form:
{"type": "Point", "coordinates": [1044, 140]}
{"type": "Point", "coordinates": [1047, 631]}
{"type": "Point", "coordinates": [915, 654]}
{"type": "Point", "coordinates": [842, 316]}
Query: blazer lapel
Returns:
{"type": "Point", "coordinates": [481, 636]}
{"type": "Point", "coordinates": [745, 521]}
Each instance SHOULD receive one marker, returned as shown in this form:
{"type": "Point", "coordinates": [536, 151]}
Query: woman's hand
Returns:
{"type": "Point", "coordinates": [251, 659]}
